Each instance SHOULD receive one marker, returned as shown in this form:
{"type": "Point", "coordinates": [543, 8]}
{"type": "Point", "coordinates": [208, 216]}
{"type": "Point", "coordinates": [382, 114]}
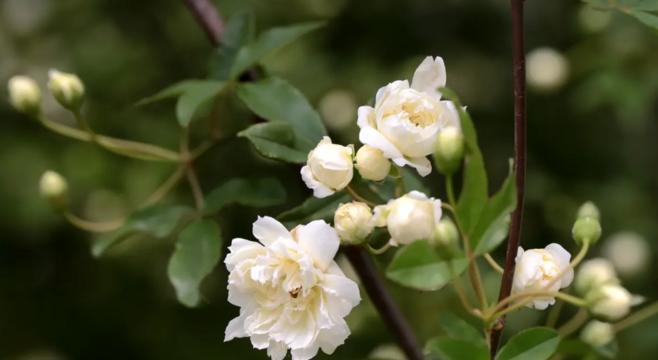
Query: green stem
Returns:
{"type": "Point", "coordinates": [554, 314]}
{"type": "Point", "coordinates": [92, 226]}
{"type": "Point", "coordinates": [379, 251]}
{"type": "Point", "coordinates": [493, 263]}
{"type": "Point", "coordinates": [574, 323]}
{"type": "Point", "coordinates": [451, 192]}
{"type": "Point", "coordinates": [355, 195]}
{"type": "Point", "coordinates": [165, 188]}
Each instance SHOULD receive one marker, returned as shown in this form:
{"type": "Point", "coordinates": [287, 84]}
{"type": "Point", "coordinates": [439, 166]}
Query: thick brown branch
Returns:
{"type": "Point", "coordinates": [518, 55]}
{"type": "Point", "coordinates": [208, 17]}
{"type": "Point", "coordinates": [383, 302]}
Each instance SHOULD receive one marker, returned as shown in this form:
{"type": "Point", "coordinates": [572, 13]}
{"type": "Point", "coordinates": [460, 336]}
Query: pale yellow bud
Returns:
{"type": "Point", "coordinates": [449, 150]}
{"type": "Point", "coordinates": [597, 333]}
{"type": "Point", "coordinates": [593, 274]}
{"type": "Point", "coordinates": [24, 94]}
{"type": "Point", "coordinates": [66, 88]}
{"type": "Point", "coordinates": [372, 164]}
{"type": "Point", "coordinates": [611, 302]}
{"type": "Point", "coordinates": [353, 222]}
{"type": "Point", "coordinates": [446, 234]}
{"type": "Point", "coordinates": [53, 187]}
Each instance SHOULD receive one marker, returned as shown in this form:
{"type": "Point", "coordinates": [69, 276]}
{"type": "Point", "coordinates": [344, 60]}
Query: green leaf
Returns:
{"type": "Point", "coordinates": [646, 5]}
{"type": "Point", "coordinates": [474, 191]}
{"type": "Point", "coordinates": [493, 224]}
{"type": "Point", "coordinates": [172, 91]}
{"type": "Point", "coordinates": [538, 343]}
{"type": "Point", "coordinates": [239, 31]}
{"type": "Point", "coordinates": [457, 328]}
{"type": "Point", "coordinates": [267, 42]}
{"type": "Point", "coordinates": [645, 17]}
{"type": "Point", "coordinates": [418, 266]}
{"type": "Point", "coordinates": [274, 140]}
{"type": "Point", "coordinates": [412, 181]}
{"type": "Point", "coordinates": [248, 192]}
{"type": "Point", "coordinates": [314, 209]}
{"type": "Point", "coordinates": [457, 349]}
{"type": "Point", "coordinates": [157, 221]}
{"type": "Point", "coordinates": [194, 96]}
{"type": "Point", "coordinates": [277, 101]}
{"type": "Point", "coordinates": [198, 250]}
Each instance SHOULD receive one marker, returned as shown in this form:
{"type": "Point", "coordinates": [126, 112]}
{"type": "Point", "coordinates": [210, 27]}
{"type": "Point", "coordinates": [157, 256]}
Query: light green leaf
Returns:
{"type": "Point", "coordinates": [456, 349]}
{"type": "Point", "coordinates": [239, 31]}
{"type": "Point", "coordinates": [267, 42]}
{"type": "Point", "coordinates": [193, 97]}
{"type": "Point", "coordinates": [418, 266]}
{"type": "Point", "coordinates": [457, 328]}
{"type": "Point", "coordinates": [474, 191]}
{"type": "Point", "coordinates": [172, 91]}
{"type": "Point", "coordinates": [646, 5]}
{"type": "Point", "coordinates": [645, 17]}
{"type": "Point", "coordinates": [157, 221]}
{"type": "Point", "coordinates": [274, 140]}
{"type": "Point", "coordinates": [198, 250]}
{"type": "Point", "coordinates": [493, 224]}
{"type": "Point", "coordinates": [247, 192]}
{"type": "Point", "coordinates": [277, 101]}
{"type": "Point", "coordinates": [538, 343]}
{"type": "Point", "coordinates": [314, 209]}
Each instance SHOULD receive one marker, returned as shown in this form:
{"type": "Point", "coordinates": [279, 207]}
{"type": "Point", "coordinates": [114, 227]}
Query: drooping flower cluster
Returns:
{"type": "Point", "coordinates": [291, 293]}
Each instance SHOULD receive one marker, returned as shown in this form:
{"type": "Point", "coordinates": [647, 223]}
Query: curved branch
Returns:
{"type": "Point", "coordinates": [208, 17]}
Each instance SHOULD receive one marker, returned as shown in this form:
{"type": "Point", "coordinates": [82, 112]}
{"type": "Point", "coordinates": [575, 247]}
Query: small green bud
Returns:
{"type": "Point", "coordinates": [53, 187]}
{"type": "Point", "coordinates": [446, 234]}
{"type": "Point", "coordinates": [449, 150]}
{"type": "Point", "coordinates": [586, 229]}
{"type": "Point", "coordinates": [588, 209]}
{"type": "Point", "coordinates": [67, 89]}
{"type": "Point", "coordinates": [24, 95]}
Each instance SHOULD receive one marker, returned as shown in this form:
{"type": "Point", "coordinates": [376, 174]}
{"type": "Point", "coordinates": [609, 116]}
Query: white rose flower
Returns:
{"type": "Point", "coordinates": [611, 301]}
{"type": "Point", "coordinates": [594, 273]}
{"type": "Point", "coordinates": [353, 222]}
{"type": "Point", "coordinates": [372, 164]}
{"type": "Point", "coordinates": [597, 333]}
{"type": "Point", "coordinates": [406, 120]}
{"type": "Point", "coordinates": [409, 218]}
{"type": "Point", "coordinates": [542, 270]}
{"type": "Point", "coordinates": [329, 168]}
{"type": "Point", "coordinates": [291, 293]}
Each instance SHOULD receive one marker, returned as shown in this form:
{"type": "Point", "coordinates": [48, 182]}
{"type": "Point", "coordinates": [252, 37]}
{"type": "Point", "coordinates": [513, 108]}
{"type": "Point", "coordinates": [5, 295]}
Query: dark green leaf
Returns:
{"type": "Point", "coordinates": [474, 191]}
{"type": "Point", "coordinates": [239, 31]}
{"type": "Point", "coordinates": [418, 266]}
{"type": "Point", "coordinates": [645, 17]}
{"type": "Point", "coordinates": [267, 42]}
{"type": "Point", "coordinates": [538, 343]}
{"type": "Point", "coordinates": [172, 91]}
{"type": "Point", "coordinates": [198, 250]}
{"type": "Point", "coordinates": [274, 140]}
{"type": "Point", "coordinates": [277, 101]}
{"type": "Point", "coordinates": [157, 221]}
{"type": "Point", "coordinates": [247, 192]}
{"type": "Point", "coordinates": [412, 181]}
{"type": "Point", "coordinates": [456, 349]}
{"type": "Point", "coordinates": [193, 97]}
{"type": "Point", "coordinates": [493, 224]}
{"type": "Point", "coordinates": [457, 328]}
{"type": "Point", "coordinates": [314, 209]}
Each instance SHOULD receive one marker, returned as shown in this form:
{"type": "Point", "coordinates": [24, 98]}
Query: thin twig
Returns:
{"type": "Point", "coordinates": [518, 55]}
{"type": "Point", "coordinates": [493, 263]}
{"type": "Point", "coordinates": [93, 226]}
{"type": "Point", "coordinates": [208, 18]}
{"type": "Point", "coordinates": [383, 302]}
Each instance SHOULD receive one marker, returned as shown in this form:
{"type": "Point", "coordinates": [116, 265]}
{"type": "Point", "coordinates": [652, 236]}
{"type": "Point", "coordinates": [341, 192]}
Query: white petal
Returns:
{"type": "Point", "coordinates": [374, 138]}
{"type": "Point", "coordinates": [430, 74]}
{"type": "Point", "coordinates": [380, 213]}
{"type": "Point", "coordinates": [562, 258]}
{"type": "Point", "coordinates": [267, 230]}
{"type": "Point", "coordinates": [330, 339]}
{"type": "Point", "coordinates": [421, 164]}
{"type": "Point", "coordinates": [235, 329]}
{"type": "Point", "coordinates": [241, 249]}
{"type": "Point", "coordinates": [277, 350]}
{"type": "Point", "coordinates": [320, 241]}
{"type": "Point", "coordinates": [542, 304]}
{"type": "Point", "coordinates": [319, 190]}
{"type": "Point", "coordinates": [364, 117]}
{"type": "Point", "coordinates": [306, 353]}
{"type": "Point", "coordinates": [342, 287]}
{"type": "Point", "coordinates": [450, 115]}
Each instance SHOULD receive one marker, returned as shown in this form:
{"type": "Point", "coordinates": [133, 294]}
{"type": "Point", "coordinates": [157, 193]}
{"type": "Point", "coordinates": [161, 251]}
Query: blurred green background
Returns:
{"type": "Point", "coordinates": [592, 109]}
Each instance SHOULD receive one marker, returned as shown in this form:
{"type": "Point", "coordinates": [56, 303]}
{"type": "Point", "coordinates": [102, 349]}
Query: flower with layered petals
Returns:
{"type": "Point", "coordinates": [409, 218]}
{"type": "Point", "coordinates": [405, 121]}
{"type": "Point", "coordinates": [329, 168]}
{"type": "Point", "coordinates": [542, 270]}
{"type": "Point", "coordinates": [291, 293]}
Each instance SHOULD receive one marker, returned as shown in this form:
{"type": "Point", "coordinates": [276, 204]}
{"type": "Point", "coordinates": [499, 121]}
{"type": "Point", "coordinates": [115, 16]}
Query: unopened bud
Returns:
{"type": "Point", "coordinates": [446, 234]}
{"type": "Point", "coordinates": [586, 229]}
{"type": "Point", "coordinates": [24, 94]}
{"type": "Point", "coordinates": [611, 302]}
{"type": "Point", "coordinates": [593, 274]}
{"type": "Point", "coordinates": [53, 187]}
{"type": "Point", "coordinates": [597, 333]}
{"type": "Point", "coordinates": [66, 88]}
{"type": "Point", "coordinates": [353, 222]}
{"type": "Point", "coordinates": [588, 209]}
{"type": "Point", "coordinates": [372, 164]}
{"type": "Point", "coordinates": [449, 150]}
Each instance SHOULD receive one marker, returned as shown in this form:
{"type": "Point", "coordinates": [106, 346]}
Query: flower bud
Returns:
{"type": "Point", "coordinates": [446, 234]}
{"type": "Point", "coordinates": [588, 209]}
{"type": "Point", "coordinates": [586, 229]}
{"type": "Point", "coordinates": [329, 168]}
{"type": "Point", "coordinates": [449, 150]}
{"type": "Point", "coordinates": [53, 187]}
{"type": "Point", "coordinates": [372, 164]}
{"type": "Point", "coordinates": [353, 222]}
{"type": "Point", "coordinates": [597, 333]}
{"type": "Point", "coordinates": [409, 218]}
{"type": "Point", "coordinates": [24, 94]}
{"type": "Point", "coordinates": [611, 302]}
{"type": "Point", "coordinates": [593, 274]}
{"type": "Point", "coordinates": [66, 88]}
